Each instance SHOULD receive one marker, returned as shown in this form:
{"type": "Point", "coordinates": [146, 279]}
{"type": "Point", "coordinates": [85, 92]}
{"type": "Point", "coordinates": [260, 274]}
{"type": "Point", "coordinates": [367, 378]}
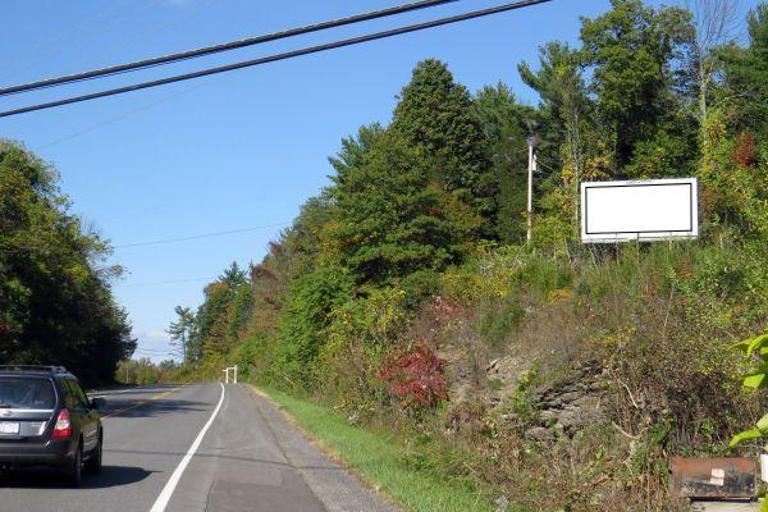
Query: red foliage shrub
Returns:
{"type": "Point", "coordinates": [745, 152]}
{"type": "Point", "coordinates": [415, 378]}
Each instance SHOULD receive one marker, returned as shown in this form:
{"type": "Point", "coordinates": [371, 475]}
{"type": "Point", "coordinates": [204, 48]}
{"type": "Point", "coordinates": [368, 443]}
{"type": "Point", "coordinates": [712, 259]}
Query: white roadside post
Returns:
{"type": "Point", "coordinates": [226, 371]}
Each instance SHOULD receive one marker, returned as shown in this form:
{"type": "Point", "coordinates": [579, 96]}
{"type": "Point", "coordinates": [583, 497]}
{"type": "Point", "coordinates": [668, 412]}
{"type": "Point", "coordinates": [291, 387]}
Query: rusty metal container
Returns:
{"type": "Point", "coordinates": [713, 478]}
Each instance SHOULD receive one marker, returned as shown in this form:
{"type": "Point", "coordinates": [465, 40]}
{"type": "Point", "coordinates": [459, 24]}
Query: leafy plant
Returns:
{"type": "Point", "coordinates": [755, 378]}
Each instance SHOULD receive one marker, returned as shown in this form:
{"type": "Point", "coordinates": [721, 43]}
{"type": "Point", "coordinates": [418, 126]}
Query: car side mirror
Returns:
{"type": "Point", "coordinates": [98, 403]}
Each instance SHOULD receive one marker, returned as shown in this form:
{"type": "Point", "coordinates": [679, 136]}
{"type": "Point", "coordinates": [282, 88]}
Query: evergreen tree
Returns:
{"type": "Point", "coordinates": [354, 151]}
{"type": "Point", "coordinates": [393, 219]}
{"type": "Point", "coordinates": [745, 92]}
{"type": "Point", "coordinates": [181, 332]}
{"type": "Point", "coordinates": [435, 114]}
{"type": "Point", "coordinates": [567, 128]}
{"type": "Point", "coordinates": [505, 125]}
{"type": "Point", "coordinates": [565, 107]}
{"type": "Point", "coordinates": [233, 276]}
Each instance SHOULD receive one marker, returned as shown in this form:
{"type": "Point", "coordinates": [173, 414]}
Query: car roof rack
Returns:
{"type": "Point", "coordinates": [32, 368]}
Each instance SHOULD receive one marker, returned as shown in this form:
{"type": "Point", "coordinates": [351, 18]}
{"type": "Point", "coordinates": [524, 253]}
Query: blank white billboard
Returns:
{"type": "Point", "coordinates": [619, 211]}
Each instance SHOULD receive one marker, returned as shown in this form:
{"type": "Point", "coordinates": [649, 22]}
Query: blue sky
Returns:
{"type": "Point", "coordinates": [234, 151]}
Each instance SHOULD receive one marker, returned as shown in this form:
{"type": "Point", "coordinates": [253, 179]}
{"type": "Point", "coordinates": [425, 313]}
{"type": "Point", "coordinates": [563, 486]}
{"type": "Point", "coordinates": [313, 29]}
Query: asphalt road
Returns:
{"type": "Point", "coordinates": [246, 458]}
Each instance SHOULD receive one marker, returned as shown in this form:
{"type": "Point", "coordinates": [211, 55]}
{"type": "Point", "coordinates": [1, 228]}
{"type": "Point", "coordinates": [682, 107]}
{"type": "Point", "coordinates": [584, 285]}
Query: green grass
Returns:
{"type": "Point", "coordinates": [380, 460]}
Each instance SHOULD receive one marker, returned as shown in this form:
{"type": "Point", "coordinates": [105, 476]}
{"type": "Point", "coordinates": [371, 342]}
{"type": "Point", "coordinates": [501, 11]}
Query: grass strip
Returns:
{"type": "Point", "coordinates": [380, 460]}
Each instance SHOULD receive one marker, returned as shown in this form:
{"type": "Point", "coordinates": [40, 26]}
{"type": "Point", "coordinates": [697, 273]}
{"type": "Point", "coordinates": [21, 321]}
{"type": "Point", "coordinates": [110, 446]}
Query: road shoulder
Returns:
{"type": "Point", "coordinates": [334, 485]}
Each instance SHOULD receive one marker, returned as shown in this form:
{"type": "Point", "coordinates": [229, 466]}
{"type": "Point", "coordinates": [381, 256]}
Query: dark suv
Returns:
{"type": "Point", "coordinates": [46, 419]}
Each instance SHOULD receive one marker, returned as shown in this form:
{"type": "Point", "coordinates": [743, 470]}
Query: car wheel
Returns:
{"type": "Point", "coordinates": [75, 469]}
{"type": "Point", "coordinates": [94, 463]}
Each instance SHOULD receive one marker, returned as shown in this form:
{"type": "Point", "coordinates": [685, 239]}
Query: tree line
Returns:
{"type": "Point", "coordinates": [56, 302]}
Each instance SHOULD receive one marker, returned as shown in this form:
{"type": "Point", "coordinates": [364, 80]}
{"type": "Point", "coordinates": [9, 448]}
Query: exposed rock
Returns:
{"type": "Point", "coordinates": [561, 408]}
{"type": "Point", "coordinates": [585, 411]}
{"type": "Point", "coordinates": [502, 504]}
{"type": "Point", "coordinates": [540, 434]}
{"type": "Point", "coordinates": [570, 405]}
{"type": "Point", "coordinates": [566, 398]}
{"type": "Point", "coordinates": [507, 369]}
{"type": "Point", "coordinates": [549, 417]}
{"type": "Point", "coordinates": [505, 374]}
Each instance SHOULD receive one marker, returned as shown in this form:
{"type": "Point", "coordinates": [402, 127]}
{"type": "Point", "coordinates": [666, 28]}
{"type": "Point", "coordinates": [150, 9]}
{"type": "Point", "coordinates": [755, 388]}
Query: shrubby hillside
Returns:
{"type": "Point", "coordinates": [548, 374]}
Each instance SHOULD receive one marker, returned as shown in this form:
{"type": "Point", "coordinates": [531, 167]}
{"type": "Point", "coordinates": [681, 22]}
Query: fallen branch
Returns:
{"type": "Point", "coordinates": [629, 392]}
{"type": "Point", "coordinates": [625, 433]}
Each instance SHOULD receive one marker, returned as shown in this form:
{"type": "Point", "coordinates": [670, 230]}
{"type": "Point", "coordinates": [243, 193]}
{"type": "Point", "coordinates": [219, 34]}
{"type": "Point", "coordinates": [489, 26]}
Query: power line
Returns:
{"type": "Point", "coordinates": [173, 240]}
{"type": "Point", "coordinates": [159, 353]}
{"type": "Point", "coordinates": [198, 237]}
{"type": "Point", "coordinates": [278, 57]}
{"type": "Point", "coordinates": [42, 45]}
{"type": "Point", "coordinates": [154, 350]}
{"type": "Point", "coordinates": [173, 281]}
{"type": "Point", "coordinates": [142, 108]}
{"type": "Point", "coordinates": [96, 59]}
{"type": "Point", "coordinates": [119, 117]}
{"type": "Point", "coordinates": [210, 50]}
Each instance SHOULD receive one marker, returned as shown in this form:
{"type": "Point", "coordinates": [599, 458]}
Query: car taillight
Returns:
{"type": "Point", "coordinates": [63, 427]}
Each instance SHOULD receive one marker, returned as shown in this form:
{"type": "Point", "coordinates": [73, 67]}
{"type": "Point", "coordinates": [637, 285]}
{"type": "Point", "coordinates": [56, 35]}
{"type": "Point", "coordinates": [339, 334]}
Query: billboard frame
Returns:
{"type": "Point", "coordinates": [692, 230]}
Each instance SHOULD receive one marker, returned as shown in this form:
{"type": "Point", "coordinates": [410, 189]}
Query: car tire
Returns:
{"type": "Point", "coordinates": [74, 469]}
{"type": "Point", "coordinates": [94, 462]}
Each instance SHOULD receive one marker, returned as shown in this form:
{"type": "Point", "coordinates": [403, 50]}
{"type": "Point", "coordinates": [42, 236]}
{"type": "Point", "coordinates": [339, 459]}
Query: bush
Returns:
{"type": "Point", "coordinates": [304, 322]}
{"type": "Point", "coordinates": [415, 378]}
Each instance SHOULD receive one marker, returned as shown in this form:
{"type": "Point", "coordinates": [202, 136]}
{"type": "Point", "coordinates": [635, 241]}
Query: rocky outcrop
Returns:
{"type": "Point", "coordinates": [503, 376]}
{"type": "Point", "coordinates": [568, 406]}
{"type": "Point", "coordinates": [555, 408]}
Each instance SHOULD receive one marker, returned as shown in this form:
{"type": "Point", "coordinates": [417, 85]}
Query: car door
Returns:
{"type": "Point", "coordinates": [86, 418]}
{"type": "Point", "coordinates": [91, 428]}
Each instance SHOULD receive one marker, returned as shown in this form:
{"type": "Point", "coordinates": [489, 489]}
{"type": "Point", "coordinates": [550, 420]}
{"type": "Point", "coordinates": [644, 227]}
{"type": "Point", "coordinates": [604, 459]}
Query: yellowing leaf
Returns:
{"type": "Point", "coordinates": [754, 381]}
{"type": "Point", "coordinates": [753, 433]}
{"type": "Point", "coordinates": [762, 424]}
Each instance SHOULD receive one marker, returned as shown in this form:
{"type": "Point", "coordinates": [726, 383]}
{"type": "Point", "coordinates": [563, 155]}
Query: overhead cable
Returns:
{"type": "Point", "coordinates": [219, 48]}
{"type": "Point", "coordinates": [277, 57]}
{"type": "Point", "coordinates": [198, 237]}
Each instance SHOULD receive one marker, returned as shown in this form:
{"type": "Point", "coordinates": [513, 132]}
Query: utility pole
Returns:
{"type": "Point", "coordinates": [532, 142]}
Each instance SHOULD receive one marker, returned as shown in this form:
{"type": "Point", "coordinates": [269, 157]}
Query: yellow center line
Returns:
{"type": "Point", "coordinates": [143, 402]}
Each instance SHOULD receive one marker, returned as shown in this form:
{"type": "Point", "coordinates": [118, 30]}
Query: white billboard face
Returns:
{"type": "Point", "coordinates": [619, 211]}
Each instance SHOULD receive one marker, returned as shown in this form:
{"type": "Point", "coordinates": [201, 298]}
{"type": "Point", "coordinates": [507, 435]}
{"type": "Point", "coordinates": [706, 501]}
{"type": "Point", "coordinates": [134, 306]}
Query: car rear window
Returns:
{"type": "Point", "coordinates": [26, 393]}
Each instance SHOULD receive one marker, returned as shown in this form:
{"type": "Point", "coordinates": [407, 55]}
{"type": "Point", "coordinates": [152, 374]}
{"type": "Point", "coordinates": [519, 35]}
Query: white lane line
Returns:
{"type": "Point", "coordinates": [165, 495]}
